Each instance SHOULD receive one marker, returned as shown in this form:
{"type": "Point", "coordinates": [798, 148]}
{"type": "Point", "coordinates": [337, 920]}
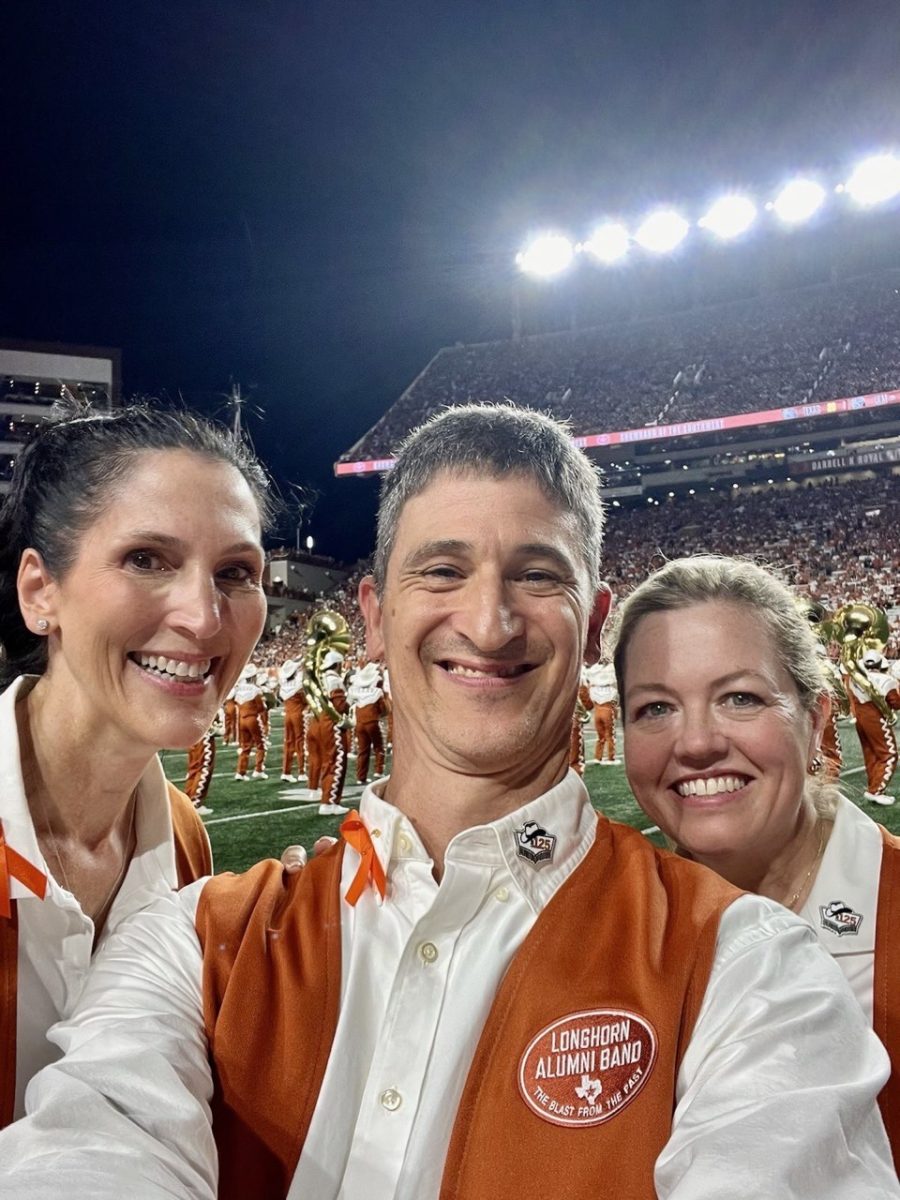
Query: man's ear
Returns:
{"type": "Point", "coordinates": [37, 591]}
{"type": "Point", "coordinates": [599, 612]}
{"type": "Point", "coordinates": [371, 611]}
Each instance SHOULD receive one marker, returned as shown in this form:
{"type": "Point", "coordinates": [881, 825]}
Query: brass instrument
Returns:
{"type": "Point", "coordinates": [821, 622]}
{"type": "Point", "coordinates": [325, 631]}
{"type": "Point", "coordinates": [858, 628]}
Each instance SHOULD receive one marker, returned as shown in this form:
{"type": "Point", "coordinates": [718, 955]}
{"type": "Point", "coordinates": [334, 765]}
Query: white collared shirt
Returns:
{"type": "Point", "coordinates": [55, 936]}
{"type": "Point", "coordinates": [847, 879]}
{"type": "Point", "coordinates": [419, 974]}
{"type": "Point", "coordinates": [775, 1094]}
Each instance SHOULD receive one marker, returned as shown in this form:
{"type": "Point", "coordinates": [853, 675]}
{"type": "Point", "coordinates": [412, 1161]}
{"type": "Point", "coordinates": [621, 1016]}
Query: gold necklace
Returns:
{"type": "Point", "coordinates": [103, 910]}
{"type": "Point", "coordinates": [815, 862]}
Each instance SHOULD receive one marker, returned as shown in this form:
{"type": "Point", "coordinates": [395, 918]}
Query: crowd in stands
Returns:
{"type": "Point", "coordinates": [290, 640]}
{"type": "Point", "coordinates": [778, 350]}
{"type": "Point", "coordinates": [835, 542]}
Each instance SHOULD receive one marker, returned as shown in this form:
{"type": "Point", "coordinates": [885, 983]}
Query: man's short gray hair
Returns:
{"type": "Point", "coordinates": [494, 440]}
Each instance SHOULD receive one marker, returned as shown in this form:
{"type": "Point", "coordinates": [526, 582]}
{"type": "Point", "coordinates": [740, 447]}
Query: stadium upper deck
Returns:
{"type": "Point", "coordinates": [780, 349]}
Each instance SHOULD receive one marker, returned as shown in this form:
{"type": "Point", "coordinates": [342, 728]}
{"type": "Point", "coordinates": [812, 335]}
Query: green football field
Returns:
{"type": "Point", "coordinates": [257, 819]}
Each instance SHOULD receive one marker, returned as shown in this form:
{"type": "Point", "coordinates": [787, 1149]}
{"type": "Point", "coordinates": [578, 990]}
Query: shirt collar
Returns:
{"type": "Point", "coordinates": [847, 877]}
{"type": "Point", "coordinates": [540, 844]}
{"type": "Point", "coordinates": [18, 828]}
{"type": "Point", "coordinates": [155, 851]}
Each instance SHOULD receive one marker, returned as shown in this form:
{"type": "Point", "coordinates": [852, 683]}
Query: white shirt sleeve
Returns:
{"type": "Point", "coordinates": [776, 1092]}
{"type": "Point", "coordinates": [126, 1112]}
{"type": "Point", "coordinates": [775, 1096]}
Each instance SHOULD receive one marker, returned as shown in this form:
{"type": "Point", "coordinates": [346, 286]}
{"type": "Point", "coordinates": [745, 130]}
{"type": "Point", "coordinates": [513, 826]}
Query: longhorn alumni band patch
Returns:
{"type": "Point", "coordinates": [586, 1067]}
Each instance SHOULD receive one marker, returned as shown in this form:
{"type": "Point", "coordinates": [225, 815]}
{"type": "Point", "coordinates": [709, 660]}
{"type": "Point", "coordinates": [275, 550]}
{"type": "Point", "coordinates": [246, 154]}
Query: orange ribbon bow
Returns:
{"type": "Point", "coordinates": [357, 836]}
{"type": "Point", "coordinates": [13, 864]}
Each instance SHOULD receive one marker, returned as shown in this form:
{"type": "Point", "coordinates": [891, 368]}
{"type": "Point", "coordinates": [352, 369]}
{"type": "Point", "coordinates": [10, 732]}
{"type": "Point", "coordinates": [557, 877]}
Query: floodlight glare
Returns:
{"type": "Point", "coordinates": [798, 200]}
{"type": "Point", "coordinates": [729, 217]}
{"type": "Point", "coordinates": [662, 231]}
{"type": "Point", "coordinates": [875, 180]}
{"type": "Point", "coordinates": [546, 255]}
{"type": "Point", "coordinates": [608, 243]}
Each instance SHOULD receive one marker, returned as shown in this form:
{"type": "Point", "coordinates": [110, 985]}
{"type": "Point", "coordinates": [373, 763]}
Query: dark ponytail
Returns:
{"type": "Point", "coordinates": [60, 485]}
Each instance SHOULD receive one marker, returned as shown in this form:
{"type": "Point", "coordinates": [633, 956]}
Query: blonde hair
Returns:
{"type": "Point", "coordinates": [709, 578]}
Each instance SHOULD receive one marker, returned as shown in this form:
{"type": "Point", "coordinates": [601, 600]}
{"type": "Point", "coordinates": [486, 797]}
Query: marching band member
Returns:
{"type": "Point", "coordinates": [367, 702]}
{"type": "Point", "coordinates": [832, 752]}
{"type": "Point", "coordinates": [290, 689]}
{"type": "Point", "coordinates": [874, 724]}
{"type": "Point", "coordinates": [200, 764]}
{"type": "Point", "coordinates": [576, 739]}
{"type": "Point", "coordinates": [605, 699]}
{"type": "Point", "coordinates": [252, 718]}
{"type": "Point", "coordinates": [230, 729]}
{"type": "Point", "coordinates": [328, 741]}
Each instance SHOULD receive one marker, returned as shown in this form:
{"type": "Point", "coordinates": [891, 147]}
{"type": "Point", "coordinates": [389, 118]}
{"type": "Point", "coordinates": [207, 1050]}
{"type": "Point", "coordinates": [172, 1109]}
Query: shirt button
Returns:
{"type": "Point", "coordinates": [502, 894]}
{"type": "Point", "coordinates": [376, 833]}
{"type": "Point", "coordinates": [391, 1099]}
{"type": "Point", "coordinates": [428, 952]}
{"type": "Point", "coordinates": [404, 843]}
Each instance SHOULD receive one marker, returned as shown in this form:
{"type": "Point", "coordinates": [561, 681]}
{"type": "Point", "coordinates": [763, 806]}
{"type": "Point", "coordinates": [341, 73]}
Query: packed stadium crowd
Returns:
{"type": "Point", "coordinates": [778, 350]}
{"type": "Point", "coordinates": [835, 542]}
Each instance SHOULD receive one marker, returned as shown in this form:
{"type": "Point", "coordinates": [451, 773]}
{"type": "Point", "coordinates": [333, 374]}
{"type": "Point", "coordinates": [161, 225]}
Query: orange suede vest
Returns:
{"type": "Point", "coordinates": [192, 859]}
{"type": "Point", "coordinates": [886, 995]}
{"type": "Point", "coordinates": [617, 961]}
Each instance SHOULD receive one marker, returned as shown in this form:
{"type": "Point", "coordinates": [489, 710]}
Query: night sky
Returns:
{"type": "Point", "coordinates": [312, 198]}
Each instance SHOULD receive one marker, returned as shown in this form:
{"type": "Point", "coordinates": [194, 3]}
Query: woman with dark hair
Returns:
{"type": "Point", "coordinates": [130, 598]}
{"type": "Point", "coordinates": [724, 704]}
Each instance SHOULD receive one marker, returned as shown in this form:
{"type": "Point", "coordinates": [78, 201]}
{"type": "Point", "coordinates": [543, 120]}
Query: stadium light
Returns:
{"type": "Point", "coordinates": [798, 201]}
{"type": "Point", "coordinates": [875, 180]}
{"type": "Point", "coordinates": [546, 255]}
{"type": "Point", "coordinates": [729, 217]}
{"type": "Point", "coordinates": [662, 231]}
{"type": "Point", "coordinates": [608, 243]}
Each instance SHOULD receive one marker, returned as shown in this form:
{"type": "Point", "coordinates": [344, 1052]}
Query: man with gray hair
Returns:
{"type": "Point", "coordinates": [485, 990]}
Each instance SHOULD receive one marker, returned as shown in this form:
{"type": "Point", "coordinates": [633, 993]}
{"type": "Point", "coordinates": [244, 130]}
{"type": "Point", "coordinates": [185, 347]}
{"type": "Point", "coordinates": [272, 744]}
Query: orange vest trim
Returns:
{"type": "Point", "coordinates": [886, 992]}
{"type": "Point", "coordinates": [621, 955]}
{"type": "Point", "coordinates": [276, 940]}
{"type": "Point", "coordinates": [9, 952]}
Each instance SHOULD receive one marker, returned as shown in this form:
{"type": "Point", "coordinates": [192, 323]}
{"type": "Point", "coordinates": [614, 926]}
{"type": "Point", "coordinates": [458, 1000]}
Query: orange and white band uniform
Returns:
{"type": "Point", "coordinates": [366, 697]}
{"type": "Point", "coordinates": [327, 744]}
{"type": "Point", "coordinates": [230, 733]}
{"type": "Point", "coordinates": [604, 697]}
{"type": "Point", "coordinates": [252, 717]}
{"type": "Point", "coordinates": [576, 738]}
{"type": "Point", "coordinates": [200, 765]}
{"type": "Point", "coordinates": [875, 730]}
{"type": "Point", "coordinates": [403, 1029]}
{"type": "Point", "coordinates": [295, 706]}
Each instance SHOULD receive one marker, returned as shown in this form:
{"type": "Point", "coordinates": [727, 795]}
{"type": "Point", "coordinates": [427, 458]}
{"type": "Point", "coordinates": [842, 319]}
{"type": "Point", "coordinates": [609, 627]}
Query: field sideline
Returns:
{"type": "Point", "coordinates": [257, 819]}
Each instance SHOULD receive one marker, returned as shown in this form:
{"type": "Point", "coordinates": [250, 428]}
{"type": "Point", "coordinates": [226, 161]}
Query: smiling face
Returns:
{"type": "Point", "coordinates": [717, 743]}
{"type": "Point", "coordinates": [486, 610]}
{"type": "Point", "coordinates": [162, 605]}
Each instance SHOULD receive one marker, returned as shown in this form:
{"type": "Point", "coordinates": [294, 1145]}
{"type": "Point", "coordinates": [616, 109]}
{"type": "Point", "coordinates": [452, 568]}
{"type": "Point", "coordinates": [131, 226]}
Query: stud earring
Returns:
{"type": "Point", "coordinates": [43, 624]}
{"type": "Point", "coordinates": [816, 765]}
